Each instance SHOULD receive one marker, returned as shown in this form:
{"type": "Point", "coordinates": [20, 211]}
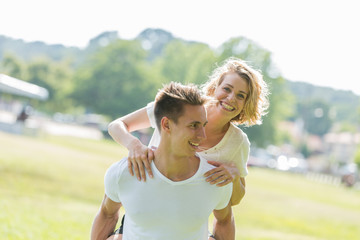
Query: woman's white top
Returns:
{"type": "Point", "coordinates": [233, 147]}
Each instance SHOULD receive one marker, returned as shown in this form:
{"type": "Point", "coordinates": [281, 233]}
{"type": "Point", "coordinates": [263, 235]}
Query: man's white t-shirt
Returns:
{"type": "Point", "coordinates": [233, 147]}
{"type": "Point", "coordinates": [162, 209]}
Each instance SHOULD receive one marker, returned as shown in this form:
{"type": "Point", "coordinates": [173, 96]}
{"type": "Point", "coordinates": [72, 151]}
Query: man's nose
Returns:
{"type": "Point", "coordinates": [201, 133]}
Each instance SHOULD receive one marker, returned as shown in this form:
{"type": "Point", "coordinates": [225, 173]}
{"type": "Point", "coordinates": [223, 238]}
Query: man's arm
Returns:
{"type": "Point", "coordinates": [224, 224]}
{"type": "Point", "coordinates": [105, 220]}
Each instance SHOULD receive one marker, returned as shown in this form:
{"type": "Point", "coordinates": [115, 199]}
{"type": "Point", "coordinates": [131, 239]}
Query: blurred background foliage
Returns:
{"type": "Point", "coordinates": [113, 77]}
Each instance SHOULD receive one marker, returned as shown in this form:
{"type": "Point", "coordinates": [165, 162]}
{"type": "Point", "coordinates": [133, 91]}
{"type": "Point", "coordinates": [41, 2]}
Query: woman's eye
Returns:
{"type": "Point", "coordinates": [241, 96]}
{"type": "Point", "coordinates": [227, 89]}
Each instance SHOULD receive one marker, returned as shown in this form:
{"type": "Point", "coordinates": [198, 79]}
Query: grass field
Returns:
{"type": "Point", "coordinates": [51, 188]}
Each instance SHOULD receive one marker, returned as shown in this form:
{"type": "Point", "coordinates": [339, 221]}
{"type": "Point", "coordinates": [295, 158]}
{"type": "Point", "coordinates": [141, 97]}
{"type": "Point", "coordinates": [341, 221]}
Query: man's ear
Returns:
{"type": "Point", "coordinates": [165, 124]}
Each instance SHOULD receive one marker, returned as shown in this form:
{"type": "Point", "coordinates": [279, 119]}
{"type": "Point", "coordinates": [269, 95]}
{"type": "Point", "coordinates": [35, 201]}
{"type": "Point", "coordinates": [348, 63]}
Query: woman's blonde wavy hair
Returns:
{"type": "Point", "coordinates": [256, 103]}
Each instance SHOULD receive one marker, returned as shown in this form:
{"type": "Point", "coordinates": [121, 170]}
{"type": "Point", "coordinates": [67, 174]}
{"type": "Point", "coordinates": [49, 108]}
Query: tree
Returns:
{"type": "Point", "coordinates": [154, 41]}
{"type": "Point", "coordinates": [315, 114]}
{"type": "Point", "coordinates": [186, 62]}
{"type": "Point", "coordinates": [115, 80]}
{"type": "Point", "coordinates": [13, 66]}
{"type": "Point", "coordinates": [57, 79]}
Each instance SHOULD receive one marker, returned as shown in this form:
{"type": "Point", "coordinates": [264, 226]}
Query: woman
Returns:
{"type": "Point", "coordinates": [239, 97]}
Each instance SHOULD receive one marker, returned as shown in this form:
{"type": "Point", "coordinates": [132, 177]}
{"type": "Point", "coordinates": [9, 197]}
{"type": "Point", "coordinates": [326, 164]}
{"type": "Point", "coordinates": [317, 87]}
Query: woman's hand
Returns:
{"type": "Point", "coordinates": [140, 156]}
{"type": "Point", "coordinates": [223, 174]}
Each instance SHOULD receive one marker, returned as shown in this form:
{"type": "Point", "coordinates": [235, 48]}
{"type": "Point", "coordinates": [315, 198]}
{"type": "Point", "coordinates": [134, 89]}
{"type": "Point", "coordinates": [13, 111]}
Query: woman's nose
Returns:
{"type": "Point", "coordinates": [231, 97]}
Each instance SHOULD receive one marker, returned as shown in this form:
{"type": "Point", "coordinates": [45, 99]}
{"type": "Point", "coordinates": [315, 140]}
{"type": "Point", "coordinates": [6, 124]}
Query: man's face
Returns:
{"type": "Point", "coordinates": [188, 132]}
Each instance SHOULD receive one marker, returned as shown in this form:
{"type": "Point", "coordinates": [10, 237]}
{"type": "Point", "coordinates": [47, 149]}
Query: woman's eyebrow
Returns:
{"type": "Point", "coordinates": [233, 87]}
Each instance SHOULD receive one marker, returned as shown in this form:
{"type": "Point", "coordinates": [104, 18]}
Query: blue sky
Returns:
{"type": "Point", "coordinates": [314, 41]}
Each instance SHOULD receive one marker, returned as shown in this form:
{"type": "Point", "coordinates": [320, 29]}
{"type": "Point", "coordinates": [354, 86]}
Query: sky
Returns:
{"type": "Point", "coordinates": [314, 41]}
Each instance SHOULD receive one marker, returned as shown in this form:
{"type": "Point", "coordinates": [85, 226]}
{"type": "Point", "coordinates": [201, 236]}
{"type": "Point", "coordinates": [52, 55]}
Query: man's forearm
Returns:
{"type": "Point", "coordinates": [224, 230]}
{"type": "Point", "coordinates": [103, 226]}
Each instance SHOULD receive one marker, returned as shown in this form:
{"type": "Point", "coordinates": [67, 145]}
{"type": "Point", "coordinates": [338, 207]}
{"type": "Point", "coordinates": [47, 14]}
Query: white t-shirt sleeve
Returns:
{"type": "Point", "coordinates": [225, 196]}
{"type": "Point", "coordinates": [155, 138]}
{"type": "Point", "coordinates": [241, 157]}
{"type": "Point", "coordinates": [238, 148]}
{"type": "Point", "coordinates": [245, 157]}
{"type": "Point", "coordinates": [112, 178]}
{"type": "Point", "coordinates": [150, 112]}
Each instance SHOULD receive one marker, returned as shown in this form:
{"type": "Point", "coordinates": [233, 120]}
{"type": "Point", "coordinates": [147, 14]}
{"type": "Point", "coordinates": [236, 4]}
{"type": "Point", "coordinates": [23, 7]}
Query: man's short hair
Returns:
{"type": "Point", "coordinates": [170, 100]}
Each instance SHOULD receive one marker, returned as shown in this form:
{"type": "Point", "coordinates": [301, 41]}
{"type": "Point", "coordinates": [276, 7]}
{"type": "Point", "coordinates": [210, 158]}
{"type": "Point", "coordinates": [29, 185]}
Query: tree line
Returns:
{"type": "Point", "coordinates": [113, 77]}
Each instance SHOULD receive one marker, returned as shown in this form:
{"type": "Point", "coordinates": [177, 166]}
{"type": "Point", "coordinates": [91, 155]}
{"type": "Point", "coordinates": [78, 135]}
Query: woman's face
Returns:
{"type": "Point", "coordinates": [231, 94]}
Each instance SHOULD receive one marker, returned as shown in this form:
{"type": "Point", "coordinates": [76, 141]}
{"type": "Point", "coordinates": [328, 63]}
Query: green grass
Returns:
{"type": "Point", "coordinates": [52, 187]}
{"type": "Point", "coordinates": [282, 205]}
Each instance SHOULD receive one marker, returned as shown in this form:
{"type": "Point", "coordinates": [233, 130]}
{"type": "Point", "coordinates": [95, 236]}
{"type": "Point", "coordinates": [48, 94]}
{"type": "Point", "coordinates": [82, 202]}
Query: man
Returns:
{"type": "Point", "coordinates": [176, 203]}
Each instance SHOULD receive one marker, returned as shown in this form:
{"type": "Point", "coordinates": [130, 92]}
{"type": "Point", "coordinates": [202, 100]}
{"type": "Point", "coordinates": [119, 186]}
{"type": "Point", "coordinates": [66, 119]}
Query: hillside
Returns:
{"type": "Point", "coordinates": [29, 50]}
{"type": "Point", "coordinates": [345, 103]}
{"type": "Point", "coordinates": [154, 38]}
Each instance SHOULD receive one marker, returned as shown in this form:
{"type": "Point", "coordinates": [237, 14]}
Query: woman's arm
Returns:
{"type": "Point", "coordinates": [139, 154]}
{"type": "Point", "coordinates": [238, 191]}
{"type": "Point", "coordinates": [225, 173]}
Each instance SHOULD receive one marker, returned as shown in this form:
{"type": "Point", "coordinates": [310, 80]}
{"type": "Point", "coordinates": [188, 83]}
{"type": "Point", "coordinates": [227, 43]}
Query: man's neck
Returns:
{"type": "Point", "coordinates": [175, 167]}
